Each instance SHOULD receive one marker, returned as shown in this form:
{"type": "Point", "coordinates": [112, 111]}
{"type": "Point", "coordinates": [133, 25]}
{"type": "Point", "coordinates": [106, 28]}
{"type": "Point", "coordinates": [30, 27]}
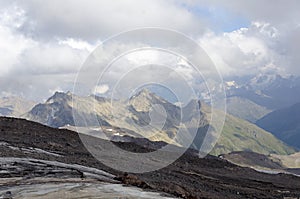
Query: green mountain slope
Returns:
{"type": "Point", "coordinates": [240, 135]}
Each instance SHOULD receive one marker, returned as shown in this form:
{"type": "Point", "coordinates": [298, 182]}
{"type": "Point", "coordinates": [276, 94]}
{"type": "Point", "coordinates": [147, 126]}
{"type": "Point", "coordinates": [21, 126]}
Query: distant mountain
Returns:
{"type": "Point", "coordinates": [271, 91]}
{"type": "Point", "coordinates": [131, 116]}
{"type": "Point", "coordinates": [245, 109]}
{"type": "Point", "coordinates": [15, 106]}
{"type": "Point", "coordinates": [57, 111]}
{"type": "Point", "coordinates": [284, 124]}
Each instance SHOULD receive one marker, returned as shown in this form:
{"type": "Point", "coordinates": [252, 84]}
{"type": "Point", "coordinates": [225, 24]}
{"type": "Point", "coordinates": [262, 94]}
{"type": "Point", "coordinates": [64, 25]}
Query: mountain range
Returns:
{"type": "Point", "coordinates": [251, 98]}
{"type": "Point", "coordinates": [268, 90]}
{"type": "Point", "coordinates": [256, 107]}
{"type": "Point", "coordinates": [237, 135]}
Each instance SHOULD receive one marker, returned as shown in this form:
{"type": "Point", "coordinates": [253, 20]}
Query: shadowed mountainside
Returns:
{"type": "Point", "coordinates": [284, 124]}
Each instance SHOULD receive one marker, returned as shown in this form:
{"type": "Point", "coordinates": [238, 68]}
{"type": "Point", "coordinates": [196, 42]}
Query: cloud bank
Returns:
{"type": "Point", "coordinates": [44, 43]}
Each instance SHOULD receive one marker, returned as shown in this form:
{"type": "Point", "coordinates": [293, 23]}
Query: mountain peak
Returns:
{"type": "Point", "coordinates": [59, 96]}
{"type": "Point", "coordinates": [144, 99]}
{"type": "Point", "coordinates": [144, 92]}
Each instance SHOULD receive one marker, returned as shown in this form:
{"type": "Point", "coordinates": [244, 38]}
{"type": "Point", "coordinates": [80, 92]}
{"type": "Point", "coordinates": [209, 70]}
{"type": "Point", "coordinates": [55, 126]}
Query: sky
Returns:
{"type": "Point", "coordinates": [43, 44]}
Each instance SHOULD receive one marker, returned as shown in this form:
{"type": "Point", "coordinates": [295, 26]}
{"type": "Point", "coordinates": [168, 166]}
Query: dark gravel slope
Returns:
{"type": "Point", "coordinates": [188, 177]}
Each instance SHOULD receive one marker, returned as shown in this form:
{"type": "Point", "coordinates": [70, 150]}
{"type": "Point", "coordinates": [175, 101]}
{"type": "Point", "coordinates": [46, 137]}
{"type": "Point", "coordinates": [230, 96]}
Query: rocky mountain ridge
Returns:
{"type": "Point", "coordinates": [134, 117]}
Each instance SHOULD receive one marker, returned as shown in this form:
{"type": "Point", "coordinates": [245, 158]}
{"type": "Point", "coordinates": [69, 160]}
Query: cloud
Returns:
{"type": "Point", "coordinates": [291, 46]}
{"type": "Point", "coordinates": [50, 58]}
{"type": "Point", "coordinates": [30, 69]}
{"type": "Point", "coordinates": [93, 19]}
{"type": "Point", "coordinates": [24, 54]}
{"type": "Point", "coordinates": [11, 46]}
{"type": "Point", "coordinates": [78, 44]}
{"type": "Point", "coordinates": [101, 89]}
{"type": "Point", "coordinates": [44, 43]}
{"type": "Point", "coordinates": [273, 24]}
{"type": "Point", "coordinates": [246, 51]}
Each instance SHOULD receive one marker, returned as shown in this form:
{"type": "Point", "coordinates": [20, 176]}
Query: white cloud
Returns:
{"type": "Point", "coordinates": [245, 51]}
{"type": "Point", "coordinates": [143, 57]}
{"type": "Point", "coordinates": [93, 19]}
{"type": "Point", "coordinates": [50, 58]}
{"type": "Point", "coordinates": [31, 67]}
{"type": "Point", "coordinates": [24, 54]}
{"type": "Point", "coordinates": [12, 16]}
{"type": "Point", "coordinates": [101, 89]}
{"type": "Point", "coordinates": [44, 43]}
{"type": "Point", "coordinates": [78, 44]}
{"type": "Point", "coordinates": [11, 47]}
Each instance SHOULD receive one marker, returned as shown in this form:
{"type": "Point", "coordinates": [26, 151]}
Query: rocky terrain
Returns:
{"type": "Point", "coordinates": [33, 155]}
